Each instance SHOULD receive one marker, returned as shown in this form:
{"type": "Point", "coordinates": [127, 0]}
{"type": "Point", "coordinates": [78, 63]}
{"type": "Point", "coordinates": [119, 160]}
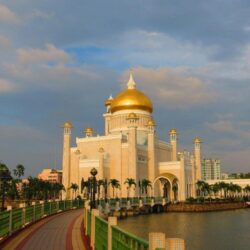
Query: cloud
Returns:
{"type": "Point", "coordinates": [5, 42]}
{"type": "Point", "coordinates": [6, 15]}
{"type": "Point", "coordinates": [174, 88]}
{"type": "Point", "coordinates": [7, 86]}
{"type": "Point", "coordinates": [49, 54]}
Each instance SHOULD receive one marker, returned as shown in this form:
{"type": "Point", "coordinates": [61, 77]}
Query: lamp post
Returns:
{"type": "Point", "coordinates": [93, 172]}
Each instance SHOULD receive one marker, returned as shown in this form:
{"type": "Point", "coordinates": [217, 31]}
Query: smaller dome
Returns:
{"type": "Point", "coordinates": [88, 130]}
{"type": "Point", "coordinates": [151, 123]}
{"type": "Point", "coordinates": [197, 140]}
{"type": "Point", "coordinates": [67, 124]}
{"type": "Point", "coordinates": [172, 131]}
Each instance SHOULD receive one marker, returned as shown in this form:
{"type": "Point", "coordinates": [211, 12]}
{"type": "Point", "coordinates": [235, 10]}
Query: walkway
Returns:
{"type": "Point", "coordinates": [58, 232]}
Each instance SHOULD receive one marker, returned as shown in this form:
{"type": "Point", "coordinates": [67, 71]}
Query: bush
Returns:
{"type": "Point", "coordinates": [191, 200]}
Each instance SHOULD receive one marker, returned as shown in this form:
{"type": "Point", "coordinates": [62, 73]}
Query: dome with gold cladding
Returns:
{"type": "Point", "coordinates": [131, 98]}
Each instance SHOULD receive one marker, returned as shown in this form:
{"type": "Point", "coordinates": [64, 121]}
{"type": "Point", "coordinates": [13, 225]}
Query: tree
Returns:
{"type": "Point", "coordinates": [114, 184]}
{"type": "Point", "coordinates": [145, 185]}
{"type": "Point", "coordinates": [74, 187]}
{"type": "Point", "coordinates": [5, 179]}
{"type": "Point", "coordinates": [175, 190]}
{"type": "Point", "coordinates": [19, 171]}
{"type": "Point", "coordinates": [247, 189]}
{"type": "Point", "coordinates": [130, 182]}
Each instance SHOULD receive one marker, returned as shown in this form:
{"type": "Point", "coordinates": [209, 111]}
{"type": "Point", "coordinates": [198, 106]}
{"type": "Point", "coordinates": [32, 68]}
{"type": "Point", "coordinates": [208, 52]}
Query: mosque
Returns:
{"type": "Point", "coordinates": [130, 148]}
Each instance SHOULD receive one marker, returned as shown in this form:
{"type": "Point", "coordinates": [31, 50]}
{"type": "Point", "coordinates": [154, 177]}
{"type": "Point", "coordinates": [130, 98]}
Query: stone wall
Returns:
{"type": "Point", "coordinates": [203, 207]}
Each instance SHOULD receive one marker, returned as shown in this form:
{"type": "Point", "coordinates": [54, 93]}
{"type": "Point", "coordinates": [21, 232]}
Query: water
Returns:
{"type": "Point", "coordinates": [227, 230]}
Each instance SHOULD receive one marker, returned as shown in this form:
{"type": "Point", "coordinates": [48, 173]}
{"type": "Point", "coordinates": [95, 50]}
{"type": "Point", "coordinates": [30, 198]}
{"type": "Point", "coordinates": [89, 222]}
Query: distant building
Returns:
{"type": "Point", "coordinates": [224, 176]}
{"type": "Point", "coordinates": [51, 175]}
{"type": "Point", "coordinates": [210, 169]}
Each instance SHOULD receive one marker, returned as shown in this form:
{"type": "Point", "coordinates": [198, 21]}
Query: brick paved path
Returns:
{"type": "Point", "coordinates": [59, 232]}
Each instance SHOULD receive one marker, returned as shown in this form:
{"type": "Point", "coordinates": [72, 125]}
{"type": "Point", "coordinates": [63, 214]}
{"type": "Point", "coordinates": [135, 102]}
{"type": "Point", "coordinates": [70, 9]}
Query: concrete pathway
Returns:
{"type": "Point", "coordinates": [59, 232]}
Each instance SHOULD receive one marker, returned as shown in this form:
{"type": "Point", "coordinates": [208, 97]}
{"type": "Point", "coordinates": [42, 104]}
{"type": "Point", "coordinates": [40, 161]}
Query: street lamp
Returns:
{"type": "Point", "coordinates": [93, 188]}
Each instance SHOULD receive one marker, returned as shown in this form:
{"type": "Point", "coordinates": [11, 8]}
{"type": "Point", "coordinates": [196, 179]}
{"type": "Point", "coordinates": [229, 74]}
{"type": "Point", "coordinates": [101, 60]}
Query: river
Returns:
{"type": "Point", "coordinates": [224, 230]}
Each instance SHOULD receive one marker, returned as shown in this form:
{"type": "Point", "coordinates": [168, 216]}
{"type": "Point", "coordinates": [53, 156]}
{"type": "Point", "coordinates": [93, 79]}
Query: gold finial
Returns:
{"type": "Point", "coordinates": [131, 83]}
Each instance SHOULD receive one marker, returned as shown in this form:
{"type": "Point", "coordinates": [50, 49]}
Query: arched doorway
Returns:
{"type": "Point", "coordinates": [166, 186]}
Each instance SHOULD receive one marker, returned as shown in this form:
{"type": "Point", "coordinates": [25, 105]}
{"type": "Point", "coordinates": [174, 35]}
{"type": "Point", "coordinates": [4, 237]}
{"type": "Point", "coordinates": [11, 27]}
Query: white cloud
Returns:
{"type": "Point", "coordinates": [5, 42]}
{"type": "Point", "coordinates": [174, 88]}
{"type": "Point", "coordinates": [7, 86]}
{"type": "Point", "coordinates": [6, 15]}
{"type": "Point", "coordinates": [156, 48]}
{"type": "Point", "coordinates": [49, 54]}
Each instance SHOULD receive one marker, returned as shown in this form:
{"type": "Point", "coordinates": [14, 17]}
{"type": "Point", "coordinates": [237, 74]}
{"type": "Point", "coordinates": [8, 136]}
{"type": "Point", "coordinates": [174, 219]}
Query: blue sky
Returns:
{"type": "Point", "coordinates": [60, 60]}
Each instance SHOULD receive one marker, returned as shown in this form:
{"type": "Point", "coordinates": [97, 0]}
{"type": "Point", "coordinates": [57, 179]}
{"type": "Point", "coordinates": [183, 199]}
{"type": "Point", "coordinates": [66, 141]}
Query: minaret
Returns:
{"type": "Point", "coordinates": [151, 152]}
{"type": "Point", "coordinates": [197, 157]}
{"type": "Point", "coordinates": [66, 157]}
{"type": "Point", "coordinates": [107, 115]}
{"type": "Point", "coordinates": [132, 146]}
{"type": "Point", "coordinates": [173, 142]}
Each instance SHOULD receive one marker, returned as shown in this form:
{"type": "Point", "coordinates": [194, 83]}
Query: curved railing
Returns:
{"type": "Point", "coordinates": [18, 218]}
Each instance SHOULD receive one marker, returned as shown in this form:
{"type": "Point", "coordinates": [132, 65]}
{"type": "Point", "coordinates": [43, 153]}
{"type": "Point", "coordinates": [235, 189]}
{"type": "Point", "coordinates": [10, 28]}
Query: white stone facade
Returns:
{"type": "Point", "coordinates": [130, 148]}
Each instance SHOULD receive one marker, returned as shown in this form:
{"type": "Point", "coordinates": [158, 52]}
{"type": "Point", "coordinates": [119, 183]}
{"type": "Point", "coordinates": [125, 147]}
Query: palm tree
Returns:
{"type": "Point", "coordinates": [145, 184]}
{"type": "Point", "coordinates": [19, 171]}
{"type": "Point", "coordinates": [74, 187]}
{"type": "Point", "coordinates": [247, 190]}
{"type": "Point", "coordinates": [130, 182]}
{"type": "Point", "coordinates": [114, 184]}
{"type": "Point", "coordinates": [175, 190]}
{"type": "Point", "coordinates": [5, 178]}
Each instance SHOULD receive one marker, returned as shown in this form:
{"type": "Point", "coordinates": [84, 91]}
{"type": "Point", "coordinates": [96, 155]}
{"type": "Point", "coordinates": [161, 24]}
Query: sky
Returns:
{"type": "Point", "coordinates": [60, 60]}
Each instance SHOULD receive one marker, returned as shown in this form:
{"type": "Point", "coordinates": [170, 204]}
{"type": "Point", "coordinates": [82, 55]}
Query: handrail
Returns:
{"type": "Point", "coordinates": [18, 218]}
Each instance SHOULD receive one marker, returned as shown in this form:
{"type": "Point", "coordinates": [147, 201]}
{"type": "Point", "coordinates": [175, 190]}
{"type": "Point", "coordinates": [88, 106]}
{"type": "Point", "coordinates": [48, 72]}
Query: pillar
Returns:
{"type": "Point", "coordinates": [151, 154]}
{"type": "Point", "coordinates": [197, 158]}
{"type": "Point", "coordinates": [101, 164]}
{"type": "Point", "coordinates": [66, 158]}
{"type": "Point", "coordinates": [173, 142]}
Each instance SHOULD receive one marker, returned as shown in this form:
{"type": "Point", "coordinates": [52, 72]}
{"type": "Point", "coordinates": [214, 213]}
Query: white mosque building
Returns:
{"type": "Point", "coordinates": [130, 148]}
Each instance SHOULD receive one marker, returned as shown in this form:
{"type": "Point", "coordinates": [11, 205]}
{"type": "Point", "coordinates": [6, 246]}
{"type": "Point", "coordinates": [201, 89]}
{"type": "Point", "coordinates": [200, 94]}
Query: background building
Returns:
{"type": "Point", "coordinates": [51, 175]}
{"type": "Point", "coordinates": [211, 169]}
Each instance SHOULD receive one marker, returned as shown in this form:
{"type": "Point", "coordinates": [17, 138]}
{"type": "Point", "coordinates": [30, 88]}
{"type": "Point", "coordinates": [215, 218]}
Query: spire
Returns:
{"type": "Point", "coordinates": [131, 83]}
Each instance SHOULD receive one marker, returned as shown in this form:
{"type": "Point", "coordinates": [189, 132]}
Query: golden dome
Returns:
{"type": "Point", "coordinates": [173, 131]}
{"type": "Point", "coordinates": [131, 98]}
{"type": "Point", "coordinates": [197, 140]}
{"type": "Point", "coordinates": [67, 124]}
{"type": "Point", "coordinates": [151, 123]}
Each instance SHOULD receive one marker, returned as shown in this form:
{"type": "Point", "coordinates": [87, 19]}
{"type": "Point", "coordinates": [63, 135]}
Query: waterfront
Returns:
{"type": "Point", "coordinates": [227, 230]}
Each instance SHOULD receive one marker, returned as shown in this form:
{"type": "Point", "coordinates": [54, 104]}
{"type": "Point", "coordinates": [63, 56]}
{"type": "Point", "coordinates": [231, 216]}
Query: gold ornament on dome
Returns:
{"type": "Point", "coordinates": [132, 116]}
{"type": "Point", "coordinates": [131, 98]}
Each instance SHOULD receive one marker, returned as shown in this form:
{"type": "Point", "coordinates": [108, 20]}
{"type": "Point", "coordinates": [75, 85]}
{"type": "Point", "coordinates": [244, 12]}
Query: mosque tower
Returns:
{"type": "Point", "coordinates": [66, 156]}
{"type": "Point", "coordinates": [173, 142]}
{"type": "Point", "coordinates": [197, 158]}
